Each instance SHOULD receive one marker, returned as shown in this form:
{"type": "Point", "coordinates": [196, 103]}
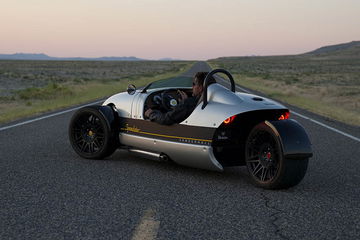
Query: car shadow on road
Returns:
{"type": "Point", "coordinates": [236, 175]}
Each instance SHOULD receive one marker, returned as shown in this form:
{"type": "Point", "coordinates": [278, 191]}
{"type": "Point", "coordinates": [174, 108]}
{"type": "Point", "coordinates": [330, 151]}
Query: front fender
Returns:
{"type": "Point", "coordinates": [112, 120]}
{"type": "Point", "coordinates": [111, 117]}
{"type": "Point", "coordinates": [294, 140]}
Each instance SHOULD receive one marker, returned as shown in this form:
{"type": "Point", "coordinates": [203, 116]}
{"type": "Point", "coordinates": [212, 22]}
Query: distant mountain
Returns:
{"type": "Point", "coordinates": [41, 56]}
{"type": "Point", "coordinates": [169, 59]}
{"type": "Point", "coordinates": [118, 59]}
{"type": "Point", "coordinates": [25, 56]}
{"type": "Point", "coordinates": [346, 49]}
{"type": "Point", "coordinates": [343, 50]}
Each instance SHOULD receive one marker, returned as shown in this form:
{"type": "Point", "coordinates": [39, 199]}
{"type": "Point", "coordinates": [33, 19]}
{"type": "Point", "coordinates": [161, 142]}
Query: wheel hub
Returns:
{"type": "Point", "coordinates": [88, 134]}
{"type": "Point", "coordinates": [91, 133]}
{"type": "Point", "coordinates": [266, 156]}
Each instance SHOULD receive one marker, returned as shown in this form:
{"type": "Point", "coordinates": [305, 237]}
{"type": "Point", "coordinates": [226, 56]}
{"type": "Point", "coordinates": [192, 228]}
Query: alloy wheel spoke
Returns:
{"type": "Point", "coordinates": [93, 119]}
{"type": "Point", "coordinates": [88, 147]}
{"type": "Point", "coordinates": [91, 147]}
{"type": "Point", "coordinates": [257, 169]}
{"type": "Point", "coordinates": [272, 172]}
{"type": "Point", "coordinates": [264, 174]}
{"type": "Point", "coordinates": [96, 144]}
{"type": "Point", "coordinates": [83, 146]}
{"type": "Point", "coordinates": [254, 159]}
{"type": "Point", "coordinates": [78, 137]}
{"type": "Point", "coordinates": [79, 141]}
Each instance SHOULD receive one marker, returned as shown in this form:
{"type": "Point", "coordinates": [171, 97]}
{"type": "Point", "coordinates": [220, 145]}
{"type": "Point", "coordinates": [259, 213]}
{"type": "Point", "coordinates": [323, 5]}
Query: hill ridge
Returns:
{"type": "Point", "coordinates": [42, 56]}
{"type": "Point", "coordinates": [335, 48]}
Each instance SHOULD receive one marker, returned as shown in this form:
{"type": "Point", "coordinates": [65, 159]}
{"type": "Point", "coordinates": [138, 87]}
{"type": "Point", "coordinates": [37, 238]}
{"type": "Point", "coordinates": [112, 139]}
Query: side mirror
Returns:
{"type": "Point", "coordinates": [131, 89]}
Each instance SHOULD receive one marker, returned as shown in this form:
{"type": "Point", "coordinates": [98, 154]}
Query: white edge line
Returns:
{"type": "Point", "coordinates": [326, 126]}
{"type": "Point", "coordinates": [313, 120]}
{"type": "Point", "coordinates": [47, 116]}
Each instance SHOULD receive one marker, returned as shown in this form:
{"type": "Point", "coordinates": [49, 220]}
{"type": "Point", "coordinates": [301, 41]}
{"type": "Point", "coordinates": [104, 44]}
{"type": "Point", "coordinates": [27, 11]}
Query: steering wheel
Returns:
{"type": "Point", "coordinates": [169, 100]}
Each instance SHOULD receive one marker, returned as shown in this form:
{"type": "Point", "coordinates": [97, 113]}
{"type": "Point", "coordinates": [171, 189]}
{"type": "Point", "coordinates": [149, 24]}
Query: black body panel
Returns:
{"type": "Point", "coordinates": [230, 139]}
{"type": "Point", "coordinates": [176, 132]}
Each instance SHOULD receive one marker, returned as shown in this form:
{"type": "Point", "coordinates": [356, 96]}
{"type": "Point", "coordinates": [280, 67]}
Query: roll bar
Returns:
{"type": "Point", "coordinates": [207, 79]}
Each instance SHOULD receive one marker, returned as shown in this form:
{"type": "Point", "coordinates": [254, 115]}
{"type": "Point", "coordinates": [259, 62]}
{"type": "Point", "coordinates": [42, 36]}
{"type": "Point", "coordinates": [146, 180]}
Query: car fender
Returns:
{"type": "Point", "coordinates": [294, 140]}
{"type": "Point", "coordinates": [108, 114]}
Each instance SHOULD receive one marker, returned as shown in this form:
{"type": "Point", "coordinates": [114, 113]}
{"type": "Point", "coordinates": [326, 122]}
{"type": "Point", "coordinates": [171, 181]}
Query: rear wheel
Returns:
{"type": "Point", "coordinates": [266, 162]}
{"type": "Point", "coordinates": [90, 134]}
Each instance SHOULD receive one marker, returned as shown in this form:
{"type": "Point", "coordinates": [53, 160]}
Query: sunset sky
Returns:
{"type": "Point", "coordinates": [182, 29]}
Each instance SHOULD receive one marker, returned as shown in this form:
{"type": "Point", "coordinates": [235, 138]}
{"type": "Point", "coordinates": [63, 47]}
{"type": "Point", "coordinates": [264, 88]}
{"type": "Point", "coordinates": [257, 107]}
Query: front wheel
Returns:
{"type": "Point", "coordinates": [266, 163]}
{"type": "Point", "coordinates": [90, 134]}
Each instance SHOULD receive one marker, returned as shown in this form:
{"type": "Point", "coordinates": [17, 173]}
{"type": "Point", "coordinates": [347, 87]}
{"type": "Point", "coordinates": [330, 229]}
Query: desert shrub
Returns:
{"type": "Point", "coordinates": [47, 92]}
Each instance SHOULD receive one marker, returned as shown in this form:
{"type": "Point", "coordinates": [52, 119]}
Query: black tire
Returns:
{"type": "Point", "coordinates": [266, 163]}
{"type": "Point", "coordinates": [90, 134]}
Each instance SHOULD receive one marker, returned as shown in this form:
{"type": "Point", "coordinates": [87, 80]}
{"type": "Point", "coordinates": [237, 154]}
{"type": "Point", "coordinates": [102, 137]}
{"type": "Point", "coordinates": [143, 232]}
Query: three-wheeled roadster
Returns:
{"type": "Point", "coordinates": [227, 128]}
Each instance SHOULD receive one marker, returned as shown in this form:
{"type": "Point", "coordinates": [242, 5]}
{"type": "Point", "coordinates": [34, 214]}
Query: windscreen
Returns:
{"type": "Point", "coordinates": [175, 82]}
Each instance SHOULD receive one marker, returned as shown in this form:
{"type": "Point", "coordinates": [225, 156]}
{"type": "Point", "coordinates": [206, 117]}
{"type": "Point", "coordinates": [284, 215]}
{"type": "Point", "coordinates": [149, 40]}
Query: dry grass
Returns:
{"type": "Point", "coordinates": [57, 88]}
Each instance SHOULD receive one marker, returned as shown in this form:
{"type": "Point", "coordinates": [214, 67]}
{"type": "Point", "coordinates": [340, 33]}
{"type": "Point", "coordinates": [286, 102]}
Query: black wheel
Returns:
{"type": "Point", "coordinates": [266, 162]}
{"type": "Point", "coordinates": [90, 134]}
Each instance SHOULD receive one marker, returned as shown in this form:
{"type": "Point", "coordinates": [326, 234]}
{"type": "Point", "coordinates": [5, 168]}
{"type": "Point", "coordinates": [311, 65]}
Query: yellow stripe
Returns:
{"type": "Point", "coordinates": [167, 136]}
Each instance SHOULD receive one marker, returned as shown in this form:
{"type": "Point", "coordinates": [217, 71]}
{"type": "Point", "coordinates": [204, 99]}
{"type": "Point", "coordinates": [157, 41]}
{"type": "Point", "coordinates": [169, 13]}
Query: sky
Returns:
{"type": "Point", "coordinates": [180, 29]}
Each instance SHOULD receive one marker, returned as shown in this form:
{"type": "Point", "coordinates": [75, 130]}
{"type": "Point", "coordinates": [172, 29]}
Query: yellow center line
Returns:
{"type": "Point", "coordinates": [148, 227]}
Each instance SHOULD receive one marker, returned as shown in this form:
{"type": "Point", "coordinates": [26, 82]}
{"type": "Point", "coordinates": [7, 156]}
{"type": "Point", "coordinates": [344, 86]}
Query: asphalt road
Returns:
{"type": "Point", "coordinates": [48, 192]}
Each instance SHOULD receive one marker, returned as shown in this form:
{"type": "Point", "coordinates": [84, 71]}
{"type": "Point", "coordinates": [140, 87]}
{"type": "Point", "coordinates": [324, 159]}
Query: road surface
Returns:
{"type": "Point", "coordinates": [48, 192]}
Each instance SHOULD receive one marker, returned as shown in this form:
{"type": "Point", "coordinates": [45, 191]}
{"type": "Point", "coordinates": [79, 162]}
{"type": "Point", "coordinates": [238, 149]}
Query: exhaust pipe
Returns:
{"type": "Point", "coordinates": [160, 157]}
